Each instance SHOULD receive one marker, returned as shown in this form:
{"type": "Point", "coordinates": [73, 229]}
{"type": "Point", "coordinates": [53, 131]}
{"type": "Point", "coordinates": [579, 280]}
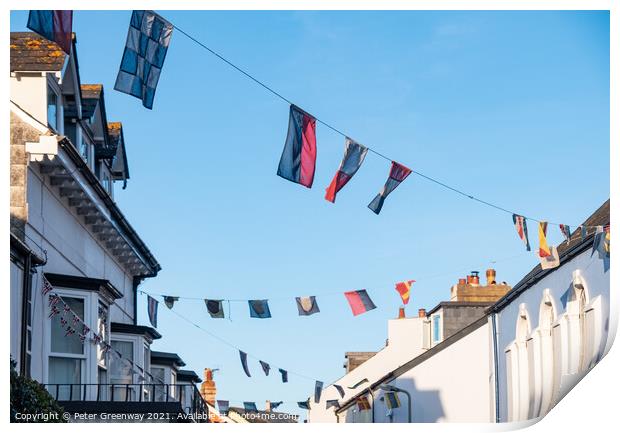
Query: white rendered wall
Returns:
{"type": "Point", "coordinates": [592, 268]}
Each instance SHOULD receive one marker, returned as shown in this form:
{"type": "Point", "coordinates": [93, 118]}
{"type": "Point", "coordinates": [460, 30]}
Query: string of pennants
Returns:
{"type": "Point", "coordinates": [148, 39]}
{"type": "Point", "coordinates": [72, 324]}
{"type": "Point", "coordinates": [359, 302]}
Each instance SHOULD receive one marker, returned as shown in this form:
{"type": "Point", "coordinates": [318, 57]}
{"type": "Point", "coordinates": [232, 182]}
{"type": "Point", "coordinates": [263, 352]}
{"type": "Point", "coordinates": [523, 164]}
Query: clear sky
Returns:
{"type": "Point", "coordinates": [512, 107]}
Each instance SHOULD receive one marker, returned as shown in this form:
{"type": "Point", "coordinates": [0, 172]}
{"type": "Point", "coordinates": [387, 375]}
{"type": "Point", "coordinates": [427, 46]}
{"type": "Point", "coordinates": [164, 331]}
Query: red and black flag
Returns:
{"type": "Point", "coordinates": [55, 26]}
{"type": "Point", "coordinates": [298, 159]}
{"type": "Point", "coordinates": [354, 154]}
{"type": "Point", "coordinates": [398, 173]}
{"type": "Point", "coordinates": [359, 301]}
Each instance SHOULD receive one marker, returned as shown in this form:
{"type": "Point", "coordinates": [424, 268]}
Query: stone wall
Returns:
{"type": "Point", "coordinates": [21, 132]}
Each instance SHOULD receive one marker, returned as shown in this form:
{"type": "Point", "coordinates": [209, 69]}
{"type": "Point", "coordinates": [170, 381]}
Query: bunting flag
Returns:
{"type": "Point", "coordinates": [354, 154]}
{"type": "Point", "coordinates": [46, 287]}
{"type": "Point", "coordinates": [340, 390]}
{"type": "Point", "coordinates": [148, 38]}
{"type": "Point", "coordinates": [284, 374]}
{"type": "Point", "coordinates": [552, 260]}
{"type": "Point", "coordinates": [607, 240]}
{"type": "Point", "coordinates": [152, 310]}
{"type": "Point", "coordinates": [520, 223]}
{"type": "Point", "coordinates": [306, 306]}
{"type": "Point", "coordinates": [391, 400]}
{"type": "Point", "coordinates": [223, 406]}
{"type": "Point", "coordinates": [359, 301]}
{"type": "Point", "coordinates": [53, 312]}
{"type": "Point", "coordinates": [170, 300]}
{"type": "Point", "coordinates": [599, 242]}
{"type": "Point", "coordinates": [318, 388]}
{"type": "Point", "coordinates": [543, 249]}
{"type": "Point", "coordinates": [276, 404]}
{"type": "Point", "coordinates": [215, 308]}
{"type": "Point", "coordinates": [565, 232]}
{"type": "Point", "coordinates": [244, 362]}
{"type": "Point", "coordinates": [259, 309]}
{"type": "Point", "coordinates": [363, 403]}
{"type": "Point", "coordinates": [584, 233]}
{"type": "Point", "coordinates": [265, 367]}
{"type": "Point", "coordinates": [358, 384]}
{"type": "Point", "coordinates": [298, 159]}
{"type": "Point", "coordinates": [404, 290]}
{"type": "Point", "coordinates": [304, 404]}
{"type": "Point", "coordinates": [332, 403]}
{"type": "Point", "coordinates": [55, 26]}
{"type": "Point", "coordinates": [250, 406]}
{"type": "Point", "coordinates": [398, 173]}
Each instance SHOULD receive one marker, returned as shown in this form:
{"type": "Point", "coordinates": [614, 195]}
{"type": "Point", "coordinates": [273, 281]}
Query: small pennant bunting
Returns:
{"type": "Point", "coordinates": [244, 362]}
{"type": "Point", "coordinates": [307, 305]}
{"type": "Point", "coordinates": [170, 300]}
{"type": "Point", "coordinates": [259, 309]}
{"type": "Point", "coordinates": [543, 249]}
{"type": "Point", "coordinates": [298, 159]}
{"type": "Point", "coordinates": [152, 310]}
{"type": "Point", "coordinates": [284, 374]}
{"type": "Point", "coordinates": [318, 388]}
{"type": "Point", "coordinates": [215, 308]}
{"type": "Point", "coordinates": [404, 290]}
{"type": "Point", "coordinates": [359, 301]}
{"type": "Point", "coordinates": [520, 223]}
{"type": "Point", "coordinates": [265, 367]}
{"type": "Point", "coordinates": [340, 390]}
{"type": "Point", "coordinates": [354, 154]}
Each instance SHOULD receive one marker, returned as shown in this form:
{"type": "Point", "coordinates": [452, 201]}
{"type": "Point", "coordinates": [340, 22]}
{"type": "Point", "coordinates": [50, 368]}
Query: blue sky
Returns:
{"type": "Point", "coordinates": [512, 107]}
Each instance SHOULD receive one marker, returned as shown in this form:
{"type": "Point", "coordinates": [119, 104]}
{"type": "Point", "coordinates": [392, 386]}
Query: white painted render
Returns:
{"type": "Point", "coordinates": [405, 342]}
{"type": "Point", "coordinates": [540, 370]}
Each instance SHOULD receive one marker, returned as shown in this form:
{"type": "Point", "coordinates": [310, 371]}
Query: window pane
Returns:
{"type": "Point", "coordinates": [70, 343]}
{"type": "Point", "coordinates": [121, 371]}
{"type": "Point", "coordinates": [65, 371]}
{"type": "Point", "coordinates": [51, 108]}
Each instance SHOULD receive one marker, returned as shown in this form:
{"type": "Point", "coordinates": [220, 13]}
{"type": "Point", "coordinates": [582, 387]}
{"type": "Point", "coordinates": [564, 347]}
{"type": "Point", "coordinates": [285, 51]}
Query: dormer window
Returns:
{"type": "Point", "coordinates": [52, 108]}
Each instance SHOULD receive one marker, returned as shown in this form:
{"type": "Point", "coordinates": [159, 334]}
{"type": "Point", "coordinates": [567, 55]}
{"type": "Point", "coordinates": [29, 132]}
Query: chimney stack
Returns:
{"type": "Point", "coordinates": [207, 388]}
{"type": "Point", "coordinates": [422, 313]}
{"type": "Point", "coordinates": [401, 313]}
{"type": "Point", "coordinates": [491, 277]}
{"type": "Point", "coordinates": [475, 279]}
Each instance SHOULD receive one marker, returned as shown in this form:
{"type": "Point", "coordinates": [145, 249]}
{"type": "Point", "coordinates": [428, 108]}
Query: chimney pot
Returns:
{"type": "Point", "coordinates": [422, 312]}
{"type": "Point", "coordinates": [462, 281]}
{"type": "Point", "coordinates": [491, 277]}
{"type": "Point", "coordinates": [401, 313]}
{"type": "Point", "coordinates": [475, 279]}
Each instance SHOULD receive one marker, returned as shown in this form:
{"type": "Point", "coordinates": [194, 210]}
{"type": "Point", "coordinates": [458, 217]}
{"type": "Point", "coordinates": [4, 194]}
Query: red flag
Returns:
{"type": "Point", "coordinates": [404, 289]}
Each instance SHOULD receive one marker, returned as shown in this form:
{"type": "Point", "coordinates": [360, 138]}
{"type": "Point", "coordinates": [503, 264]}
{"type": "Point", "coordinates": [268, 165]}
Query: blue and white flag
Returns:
{"type": "Point", "coordinates": [152, 310]}
{"type": "Point", "coordinates": [147, 43]}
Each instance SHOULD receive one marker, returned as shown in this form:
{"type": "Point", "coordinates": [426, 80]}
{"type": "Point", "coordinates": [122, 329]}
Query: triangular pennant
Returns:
{"type": "Point", "coordinates": [340, 390]}
{"type": "Point", "coordinates": [250, 406]}
{"type": "Point", "coordinates": [223, 406]}
{"type": "Point", "coordinates": [304, 404]}
{"type": "Point", "coordinates": [565, 232]}
{"type": "Point", "coordinates": [276, 404]}
{"type": "Point", "coordinates": [552, 260]}
{"type": "Point", "coordinates": [332, 403]}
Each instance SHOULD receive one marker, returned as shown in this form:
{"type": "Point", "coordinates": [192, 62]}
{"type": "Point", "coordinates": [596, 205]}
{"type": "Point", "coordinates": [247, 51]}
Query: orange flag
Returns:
{"type": "Point", "coordinates": [404, 289]}
{"type": "Point", "coordinates": [543, 249]}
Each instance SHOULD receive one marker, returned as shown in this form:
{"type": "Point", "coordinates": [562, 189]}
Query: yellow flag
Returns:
{"type": "Point", "coordinates": [543, 250]}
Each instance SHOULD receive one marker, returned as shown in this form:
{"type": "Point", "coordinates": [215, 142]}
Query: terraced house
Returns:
{"type": "Point", "coordinates": [67, 157]}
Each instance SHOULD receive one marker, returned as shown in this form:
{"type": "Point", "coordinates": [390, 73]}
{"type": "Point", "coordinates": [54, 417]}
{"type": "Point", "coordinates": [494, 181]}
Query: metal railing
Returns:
{"type": "Point", "coordinates": [186, 395]}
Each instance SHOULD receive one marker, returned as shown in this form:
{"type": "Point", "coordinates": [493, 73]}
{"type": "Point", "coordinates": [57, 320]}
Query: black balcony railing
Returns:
{"type": "Point", "coordinates": [186, 396]}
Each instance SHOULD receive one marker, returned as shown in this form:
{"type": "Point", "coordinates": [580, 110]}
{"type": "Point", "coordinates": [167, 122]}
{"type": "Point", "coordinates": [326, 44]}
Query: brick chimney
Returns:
{"type": "Point", "coordinates": [470, 290]}
{"type": "Point", "coordinates": [208, 388]}
{"type": "Point", "coordinates": [491, 277]}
